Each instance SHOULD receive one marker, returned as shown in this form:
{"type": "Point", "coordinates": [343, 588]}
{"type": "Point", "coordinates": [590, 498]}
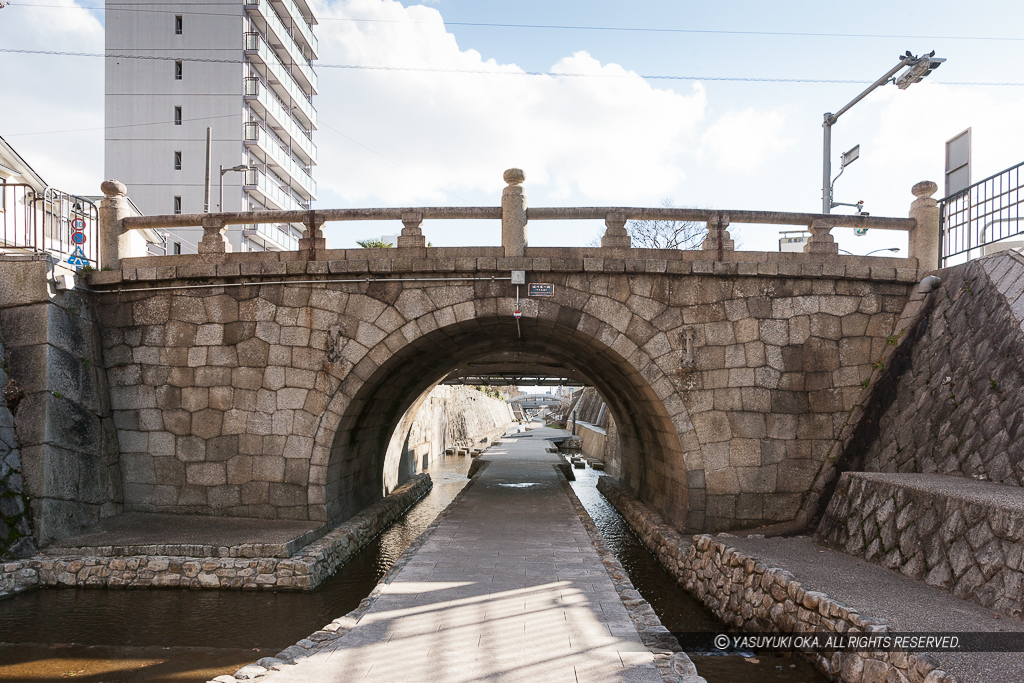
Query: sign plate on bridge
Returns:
{"type": "Point", "coordinates": [541, 289]}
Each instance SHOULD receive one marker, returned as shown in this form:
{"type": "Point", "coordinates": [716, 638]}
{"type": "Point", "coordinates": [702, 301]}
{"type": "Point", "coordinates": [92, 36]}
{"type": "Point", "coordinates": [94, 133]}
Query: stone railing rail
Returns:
{"type": "Point", "coordinates": [923, 223]}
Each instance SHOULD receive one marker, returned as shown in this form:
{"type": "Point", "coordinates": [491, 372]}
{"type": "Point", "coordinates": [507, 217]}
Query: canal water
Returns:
{"type": "Point", "coordinates": [178, 635]}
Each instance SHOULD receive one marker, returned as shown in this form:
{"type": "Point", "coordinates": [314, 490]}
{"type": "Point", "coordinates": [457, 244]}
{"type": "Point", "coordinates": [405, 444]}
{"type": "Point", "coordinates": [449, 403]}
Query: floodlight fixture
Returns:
{"type": "Point", "coordinates": [919, 68]}
{"type": "Point", "coordinates": [924, 66]}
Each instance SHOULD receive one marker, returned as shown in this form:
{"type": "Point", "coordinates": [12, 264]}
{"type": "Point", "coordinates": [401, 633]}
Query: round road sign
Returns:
{"type": "Point", "coordinates": [78, 224]}
{"type": "Point", "coordinates": [78, 237]}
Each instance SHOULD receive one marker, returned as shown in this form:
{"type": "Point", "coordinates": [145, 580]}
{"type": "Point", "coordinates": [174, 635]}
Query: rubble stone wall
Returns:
{"type": "Point", "coordinates": [957, 405]}
{"type": "Point", "coordinates": [16, 537]}
{"type": "Point", "coordinates": [960, 535]}
{"type": "Point", "coordinates": [304, 570]}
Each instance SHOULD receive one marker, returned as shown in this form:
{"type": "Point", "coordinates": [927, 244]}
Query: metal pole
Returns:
{"type": "Point", "coordinates": [209, 168]}
{"type": "Point", "coordinates": [830, 119]}
{"type": "Point", "coordinates": [826, 179]}
{"type": "Point", "coordinates": [220, 203]}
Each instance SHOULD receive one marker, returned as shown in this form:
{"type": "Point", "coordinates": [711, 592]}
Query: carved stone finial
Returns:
{"type": "Point", "coordinates": [925, 188]}
{"type": "Point", "coordinates": [514, 176]}
{"type": "Point", "coordinates": [113, 188]}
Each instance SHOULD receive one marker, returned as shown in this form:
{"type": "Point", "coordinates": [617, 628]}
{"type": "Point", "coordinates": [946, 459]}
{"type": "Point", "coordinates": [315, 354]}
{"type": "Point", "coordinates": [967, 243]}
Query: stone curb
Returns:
{"type": "Point", "coordinates": [746, 593]}
{"type": "Point", "coordinates": [337, 629]}
{"type": "Point", "coordinates": [304, 570]}
{"type": "Point", "coordinates": [673, 664]}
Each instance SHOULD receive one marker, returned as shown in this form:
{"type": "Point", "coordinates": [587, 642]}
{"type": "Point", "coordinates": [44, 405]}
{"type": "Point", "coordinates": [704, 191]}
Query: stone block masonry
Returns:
{"type": "Point", "coordinates": [956, 534]}
{"type": "Point", "coordinates": [304, 570]}
{"type": "Point", "coordinates": [747, 594]}
{"type": "Point", "coordinates": [67, 441]}
{"type": "Point", "coordinates": [271, 388]}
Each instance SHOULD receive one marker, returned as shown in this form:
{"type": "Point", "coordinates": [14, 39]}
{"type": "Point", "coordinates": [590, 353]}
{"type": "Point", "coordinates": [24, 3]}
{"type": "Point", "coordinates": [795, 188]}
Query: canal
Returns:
{"type": "Point", "coordinates": [175, 635]}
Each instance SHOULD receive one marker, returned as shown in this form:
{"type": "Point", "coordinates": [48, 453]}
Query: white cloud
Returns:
{"type": "Point", "coordinates": [742, 140]}
{"type": "Point", "coordinates": [54, 93]}
{"type": "Point", "coordinates": [609, 137]}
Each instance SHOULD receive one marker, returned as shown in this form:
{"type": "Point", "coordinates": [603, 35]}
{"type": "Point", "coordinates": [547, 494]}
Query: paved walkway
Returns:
{"type": "Point", "coordinates": [507, 588]}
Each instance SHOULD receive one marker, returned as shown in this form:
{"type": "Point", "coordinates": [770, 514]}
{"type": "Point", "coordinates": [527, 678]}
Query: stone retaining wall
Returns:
{"type": "Point", "coordinates": [304, 570]}
{"type": "Point", "coordinates": [961, 535]}
{"type": "Point", "coordinates": [749, 595]}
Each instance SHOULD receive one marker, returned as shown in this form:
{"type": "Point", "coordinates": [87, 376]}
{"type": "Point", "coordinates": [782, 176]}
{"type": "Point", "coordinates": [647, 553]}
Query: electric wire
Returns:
{"type": "Point", "coordinates": [491, 72]}
{"type": "Point", "coordinates": [562, 27]}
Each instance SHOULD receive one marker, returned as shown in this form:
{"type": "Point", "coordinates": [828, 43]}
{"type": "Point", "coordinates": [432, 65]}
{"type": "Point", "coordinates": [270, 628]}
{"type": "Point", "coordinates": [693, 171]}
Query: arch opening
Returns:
{"type": "Point", "coordinates": [651, 456]}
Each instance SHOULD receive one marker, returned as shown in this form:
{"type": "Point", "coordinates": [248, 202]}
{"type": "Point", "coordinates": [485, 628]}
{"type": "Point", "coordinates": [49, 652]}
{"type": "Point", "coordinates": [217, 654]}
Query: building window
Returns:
{"type": "Point", "coordinates": [177, 24]}
{"type": "Point", "coordinates": [177, 70]}
{"type": "Point", "coordinates": [177, 205]}
{"type": "Point", "coordinates": [177, 245]}
{"type": "Point", "coordinates": [177, 116]}
{"type": "Point", "coordinates": [177, 161]}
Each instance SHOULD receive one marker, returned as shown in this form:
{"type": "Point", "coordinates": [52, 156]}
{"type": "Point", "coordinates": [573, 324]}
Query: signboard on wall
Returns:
{"type": "Point", "coordinates": [958, 163]}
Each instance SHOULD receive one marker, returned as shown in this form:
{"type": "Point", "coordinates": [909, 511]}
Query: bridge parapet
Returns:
{"type": "Point", "coordinates": [515, 215]}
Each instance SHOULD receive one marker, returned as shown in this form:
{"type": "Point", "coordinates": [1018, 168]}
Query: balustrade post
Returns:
{"type": "Point", "coordinates": [718, 237]}
{"type": "Point", "coordinates": [114, 208]}
{"type": "Point", "coordinates": [615, 235]}
{"type": "Point", "coordinates": [925, 237]}
{"type": "Point", "coordinates": [513, 214]}
{"type": "Point", "coordinates": [215, 239]}
{"type": "Point", "coordinates": [822, 241]}
{"type": "Point", "coordinates": [412, 234]}
{"type": "Point", "coordinates": [312, 239]}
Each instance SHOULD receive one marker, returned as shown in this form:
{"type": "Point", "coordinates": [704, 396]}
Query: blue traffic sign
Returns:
{"type": "Point", "coordinates": [78, 237]}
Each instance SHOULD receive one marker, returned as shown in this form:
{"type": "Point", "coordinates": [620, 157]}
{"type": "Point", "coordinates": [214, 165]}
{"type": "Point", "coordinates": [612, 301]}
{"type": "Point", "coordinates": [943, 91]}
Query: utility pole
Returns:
{"type": "Point", "coordinates": [209, 168]}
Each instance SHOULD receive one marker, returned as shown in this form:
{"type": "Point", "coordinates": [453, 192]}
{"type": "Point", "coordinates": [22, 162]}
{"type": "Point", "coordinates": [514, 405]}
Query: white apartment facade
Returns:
{"type": "Point", "coordinates": [242, 68]}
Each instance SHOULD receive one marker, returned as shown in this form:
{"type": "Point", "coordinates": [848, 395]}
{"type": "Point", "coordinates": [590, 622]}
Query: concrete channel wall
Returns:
{"type": "Point", "coordinates": [304, 570]}
{"type": "Point", "coordinates": [749, 595]}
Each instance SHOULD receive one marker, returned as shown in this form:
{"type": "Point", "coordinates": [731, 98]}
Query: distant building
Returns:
{"type": "Point", "coordinates": [255, 93]}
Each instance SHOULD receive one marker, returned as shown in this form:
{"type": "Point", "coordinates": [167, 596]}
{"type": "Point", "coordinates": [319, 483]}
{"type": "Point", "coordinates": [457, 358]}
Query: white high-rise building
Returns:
{"type": "Point", "coordinates": [242, 68]}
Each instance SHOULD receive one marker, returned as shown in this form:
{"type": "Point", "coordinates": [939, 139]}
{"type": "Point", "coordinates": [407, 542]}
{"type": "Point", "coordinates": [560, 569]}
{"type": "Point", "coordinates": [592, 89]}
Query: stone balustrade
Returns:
{"type": "Point", "coordinates": [514, 214]}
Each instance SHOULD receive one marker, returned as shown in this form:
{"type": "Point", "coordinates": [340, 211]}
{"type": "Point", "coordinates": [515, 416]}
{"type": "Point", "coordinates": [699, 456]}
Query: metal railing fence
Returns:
{"type": "Point", "coordinates": [986, 212]}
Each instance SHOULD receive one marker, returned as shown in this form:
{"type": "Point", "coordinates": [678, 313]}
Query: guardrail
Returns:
{"type": "Point", "coordinates": [56, 222]}
{"type": "Point", "coordinates": [984, 213]}
{"type": "Point", "coordinates": [514, 216]}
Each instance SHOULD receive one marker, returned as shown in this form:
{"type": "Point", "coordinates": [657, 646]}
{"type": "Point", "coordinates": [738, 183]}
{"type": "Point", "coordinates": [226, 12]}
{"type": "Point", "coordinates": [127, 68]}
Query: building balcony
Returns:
{"type": "Point", "coordinates": [278, 77]}
{"type": "Point", "coordinates": [302, 26]}
{"type": "Point", "coordinates": [274, 237]}
{"type": "Point", "coordinates": [255, 135]}
{"type": "Point", "coordinates": [274, 24]}
{"type": "Point", "coordinates": [268, 106]}
{"type": "Point", "coordinates": [271, 193]}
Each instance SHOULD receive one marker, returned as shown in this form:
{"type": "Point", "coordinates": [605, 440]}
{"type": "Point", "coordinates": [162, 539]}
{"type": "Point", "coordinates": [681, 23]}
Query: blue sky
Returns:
{"type": "Point", "coordinates": [391, 138]}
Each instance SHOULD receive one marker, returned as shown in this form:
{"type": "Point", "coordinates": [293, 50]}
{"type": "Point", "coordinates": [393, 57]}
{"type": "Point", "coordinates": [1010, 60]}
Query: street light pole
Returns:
{"type": "Point", "coordinates": [240, 168]}
{"type": "Point", "coordinates": [922, 66]}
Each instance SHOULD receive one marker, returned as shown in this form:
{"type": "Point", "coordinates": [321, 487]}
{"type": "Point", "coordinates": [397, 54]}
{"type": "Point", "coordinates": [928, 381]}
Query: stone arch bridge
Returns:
{"type": "Point", "coordinates": [277, 385]}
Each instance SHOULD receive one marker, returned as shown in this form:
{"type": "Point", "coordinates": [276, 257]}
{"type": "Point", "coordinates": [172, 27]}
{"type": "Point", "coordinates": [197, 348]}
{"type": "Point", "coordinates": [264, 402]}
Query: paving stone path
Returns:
{"type": "Point", "coordinates": [507, 588]}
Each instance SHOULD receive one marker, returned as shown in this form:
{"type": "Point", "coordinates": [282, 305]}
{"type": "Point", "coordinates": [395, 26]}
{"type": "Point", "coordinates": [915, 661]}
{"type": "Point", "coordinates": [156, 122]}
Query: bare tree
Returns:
{"type": "Point", "coordinates": [652, 234]}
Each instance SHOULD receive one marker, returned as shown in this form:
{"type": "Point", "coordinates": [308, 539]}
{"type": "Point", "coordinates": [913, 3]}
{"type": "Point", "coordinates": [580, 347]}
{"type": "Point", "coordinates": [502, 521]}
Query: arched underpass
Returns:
{"type": "Point", "coordinates": [364, 454]}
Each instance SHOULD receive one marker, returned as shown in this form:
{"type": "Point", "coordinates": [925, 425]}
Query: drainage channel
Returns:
{"type": "Point", "coordinates": [177, 635]}
{"type": "Point", "coordinates": [679, 611]}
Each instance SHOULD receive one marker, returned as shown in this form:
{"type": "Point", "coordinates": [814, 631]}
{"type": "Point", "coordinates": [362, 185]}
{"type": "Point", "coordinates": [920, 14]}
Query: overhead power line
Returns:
{"type": "Point", "coordinates": [564, 27]}
{"type": "Point", "coordinates": [492, 72]}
